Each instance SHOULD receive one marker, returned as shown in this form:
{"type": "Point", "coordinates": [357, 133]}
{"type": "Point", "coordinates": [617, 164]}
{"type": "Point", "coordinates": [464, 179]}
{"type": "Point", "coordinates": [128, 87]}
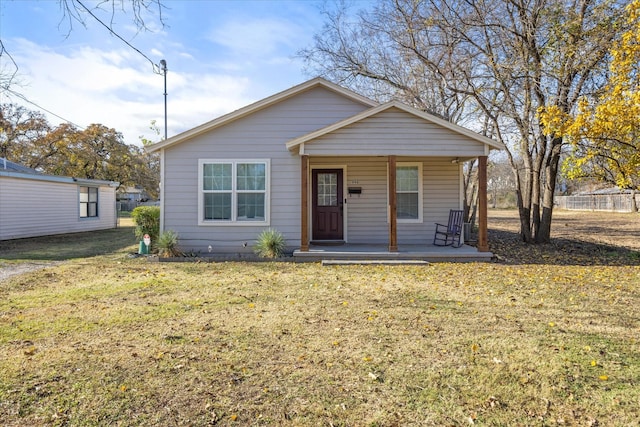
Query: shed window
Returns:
{"type": "Point", "coordinates": [88, 202]}
{"type": "Point", "coordinates": [234, 191]}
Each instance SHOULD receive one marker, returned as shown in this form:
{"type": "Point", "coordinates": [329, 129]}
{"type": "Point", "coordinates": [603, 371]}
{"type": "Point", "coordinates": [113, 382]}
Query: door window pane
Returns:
{"type": "Point", "coordinates": [327, 189]}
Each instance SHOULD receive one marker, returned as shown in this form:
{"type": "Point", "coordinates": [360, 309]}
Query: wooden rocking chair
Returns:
{"type": "Point", "coordinates": [450, 234]}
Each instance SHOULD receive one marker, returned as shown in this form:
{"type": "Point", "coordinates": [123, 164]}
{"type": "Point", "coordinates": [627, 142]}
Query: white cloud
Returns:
{"type": "Point", "coordinates": [256, 37]}
{"type": "Point", "coordinates": [92, 77]}
{"type": "Point", "coordinates": [118, 89]}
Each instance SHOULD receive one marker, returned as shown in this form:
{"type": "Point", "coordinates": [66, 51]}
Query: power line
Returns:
{"type": "Point", "coordinates": [24, 98]}
{"type": "Point", "coordinates": [4, 51]}
{"type": "Point", "coordinates": [153, 64]}
{"type": "Point", "coordinates": [6, 87]}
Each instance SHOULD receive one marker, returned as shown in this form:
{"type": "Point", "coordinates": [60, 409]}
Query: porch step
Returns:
{"type": "Point", "coordinates": [357, 254]}
{"type": "Point", "coordinates": [326, 262]}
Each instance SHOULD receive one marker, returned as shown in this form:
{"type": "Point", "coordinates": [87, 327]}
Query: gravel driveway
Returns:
{"type": "Point", "coordinates": [9, 270]}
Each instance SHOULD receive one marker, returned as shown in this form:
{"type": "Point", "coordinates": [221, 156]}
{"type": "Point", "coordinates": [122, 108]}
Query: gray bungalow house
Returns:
{"type": "Point", "coordinates": [324, 166]}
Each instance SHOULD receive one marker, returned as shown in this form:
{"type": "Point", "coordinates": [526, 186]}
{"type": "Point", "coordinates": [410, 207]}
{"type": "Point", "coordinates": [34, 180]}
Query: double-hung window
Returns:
{"type": "Point", "coordinates": [88, 202]}
{"type": "Point", "coordinates": [234, 191]}
{"type": "Point", "coordinates": [409, 192]}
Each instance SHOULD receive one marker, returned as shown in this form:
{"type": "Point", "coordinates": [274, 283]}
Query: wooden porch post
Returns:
{"type": "Point", "coordinates": [483, 242]}
{"type": "Point", "coordinates": [393, 231]}
{"type": "Point", "coordinates": [304, 203]}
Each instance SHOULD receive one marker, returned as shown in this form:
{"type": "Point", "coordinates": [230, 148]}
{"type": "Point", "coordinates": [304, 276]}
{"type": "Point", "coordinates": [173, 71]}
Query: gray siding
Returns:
{"type": "Point", "coordinates": [30, 208]}
{"type": "Point", "coordinates": [261, 135]}
{"type": "Point", "coordinates": [396, 132]}
{"type": "Point", "coordinates": [367, 213]}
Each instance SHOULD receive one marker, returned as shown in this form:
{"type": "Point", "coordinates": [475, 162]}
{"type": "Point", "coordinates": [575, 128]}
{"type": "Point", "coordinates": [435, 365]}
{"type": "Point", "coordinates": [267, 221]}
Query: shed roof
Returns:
{"type": "Point", "coordinates": [9, 166]}
{"type": "Point", "coordinates": [14, 170]}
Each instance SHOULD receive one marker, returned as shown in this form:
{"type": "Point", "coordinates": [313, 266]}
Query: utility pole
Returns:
{"type": "Point", "coordinates": [163, 68]}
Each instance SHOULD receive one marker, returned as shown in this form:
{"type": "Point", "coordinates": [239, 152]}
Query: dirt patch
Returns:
{"type": "Point", "coordinates": [577, 237]}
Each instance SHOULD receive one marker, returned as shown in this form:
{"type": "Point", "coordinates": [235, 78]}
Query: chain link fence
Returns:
{"type": "Point", "coordinates": [597, 202]}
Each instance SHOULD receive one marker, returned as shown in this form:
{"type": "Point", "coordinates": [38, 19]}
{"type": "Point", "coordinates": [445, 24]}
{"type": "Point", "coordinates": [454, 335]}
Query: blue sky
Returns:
{"type": "Point", "coordinates": [221, 55]}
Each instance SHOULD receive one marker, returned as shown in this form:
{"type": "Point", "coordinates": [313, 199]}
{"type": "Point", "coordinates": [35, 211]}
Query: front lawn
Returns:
{"type": "Point", "coordinates": [111, 340]}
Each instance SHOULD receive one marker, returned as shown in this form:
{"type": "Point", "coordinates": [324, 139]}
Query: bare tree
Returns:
{"type": "Point", "coordinates": [491, 65]}
{"type": "Point", "coordinates": [138, 11]}
{"type": "Point", "coordinates": [501, 183]}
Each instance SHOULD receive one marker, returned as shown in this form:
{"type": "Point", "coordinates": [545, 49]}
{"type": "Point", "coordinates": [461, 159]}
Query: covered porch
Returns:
{"type": "Point", "coordinates": [380, 239]}
{"type": "Point", "coordinates": [376, 185]}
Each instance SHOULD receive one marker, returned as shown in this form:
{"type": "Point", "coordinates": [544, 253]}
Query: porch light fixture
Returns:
{"type": "Point", "coordinates": [455, 161]}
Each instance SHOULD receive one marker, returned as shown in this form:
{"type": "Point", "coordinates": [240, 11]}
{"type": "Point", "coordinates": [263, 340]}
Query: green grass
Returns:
{"type": "Point", "coordinates": [68, 246]}
{"type": "Point", "coordinates": [112, 340]}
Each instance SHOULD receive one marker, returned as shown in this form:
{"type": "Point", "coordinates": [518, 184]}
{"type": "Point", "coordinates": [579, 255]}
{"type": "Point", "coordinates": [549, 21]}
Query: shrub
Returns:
{"type": "Point", "coordinates": [270, 243]}
{"type": "Point", "coordinates": [147, 220]}
{"type": "Point", "coordinates": [167, 244]}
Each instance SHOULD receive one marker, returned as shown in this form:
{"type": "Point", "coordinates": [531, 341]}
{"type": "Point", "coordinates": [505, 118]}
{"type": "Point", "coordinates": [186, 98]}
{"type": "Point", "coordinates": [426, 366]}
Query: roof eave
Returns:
{"type": "Point", "coordinates": [59, 179]}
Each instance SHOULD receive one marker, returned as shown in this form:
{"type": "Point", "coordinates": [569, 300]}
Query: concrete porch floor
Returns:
{"type": "Point", "coordinates": [380, 253]}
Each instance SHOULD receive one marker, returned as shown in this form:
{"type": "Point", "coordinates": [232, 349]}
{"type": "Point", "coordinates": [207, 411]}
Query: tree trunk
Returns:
{"type": "Point", "coordinates": [524, 201]}
{"type": "Point", "coordinates": [551, 173]}
{"type": "Point", "coordinates": [470, 190]}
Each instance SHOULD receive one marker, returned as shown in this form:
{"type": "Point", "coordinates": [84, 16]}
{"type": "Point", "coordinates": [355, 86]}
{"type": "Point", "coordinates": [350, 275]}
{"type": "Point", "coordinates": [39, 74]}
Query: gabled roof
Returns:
{"type": "Point", "coordinates": [257, 106]}
{"type": "Point", "coordinates": [492, 144]}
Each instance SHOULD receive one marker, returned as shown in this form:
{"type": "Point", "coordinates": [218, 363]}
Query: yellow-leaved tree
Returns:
{"type": "Point", "coordinates": [605, 131]}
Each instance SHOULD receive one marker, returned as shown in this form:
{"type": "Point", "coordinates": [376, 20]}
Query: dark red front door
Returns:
{"type": "Point", "coordinates": [327, 204]}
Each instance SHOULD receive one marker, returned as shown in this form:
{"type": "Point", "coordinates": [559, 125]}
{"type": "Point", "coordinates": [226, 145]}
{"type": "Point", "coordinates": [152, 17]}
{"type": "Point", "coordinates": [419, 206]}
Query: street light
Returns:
{"type": "Point", "coordinates": [163, 68]}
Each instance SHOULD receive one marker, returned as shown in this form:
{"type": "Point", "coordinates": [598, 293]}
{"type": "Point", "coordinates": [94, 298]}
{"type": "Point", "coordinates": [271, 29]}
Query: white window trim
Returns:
{"type": "Point", "coordinates": [234, 194]}
{"type": "Point", "coordinates": [420, 218]}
